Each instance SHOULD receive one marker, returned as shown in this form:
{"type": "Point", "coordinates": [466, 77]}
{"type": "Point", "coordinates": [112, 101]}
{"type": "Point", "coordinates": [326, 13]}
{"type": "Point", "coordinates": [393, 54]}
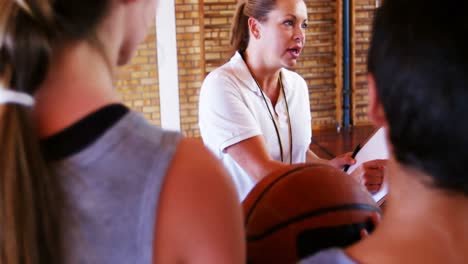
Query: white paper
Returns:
{"type": "Point", "coordinates": [375, 148]}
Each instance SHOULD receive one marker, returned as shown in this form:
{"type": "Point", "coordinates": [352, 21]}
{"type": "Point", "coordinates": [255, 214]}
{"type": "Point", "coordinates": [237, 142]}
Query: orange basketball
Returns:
{"type": "Point", "coordinates": [292, 214]}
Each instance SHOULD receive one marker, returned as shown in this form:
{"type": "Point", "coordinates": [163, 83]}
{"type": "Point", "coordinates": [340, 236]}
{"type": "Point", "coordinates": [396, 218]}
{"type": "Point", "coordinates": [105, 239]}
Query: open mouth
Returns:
{"type": "Point", "coordinates": [295, 51]}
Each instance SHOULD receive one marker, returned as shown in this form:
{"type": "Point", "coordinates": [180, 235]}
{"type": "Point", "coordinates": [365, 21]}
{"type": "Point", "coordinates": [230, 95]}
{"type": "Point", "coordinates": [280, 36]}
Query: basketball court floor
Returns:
{"type": "Point", "coordinates": [328, 143]}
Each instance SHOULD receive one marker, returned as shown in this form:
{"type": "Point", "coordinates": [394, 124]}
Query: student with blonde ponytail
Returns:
{"type": "Point", "coordinates": [83, 179]}
{"type": "Point", "coordinates": [31, 198]}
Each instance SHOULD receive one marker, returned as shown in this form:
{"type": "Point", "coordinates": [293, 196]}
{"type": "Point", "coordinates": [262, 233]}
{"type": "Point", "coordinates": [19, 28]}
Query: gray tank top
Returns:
{"type": "Point", "coordinates": [112, 189]}
{"type": "Point", "coordinates": [329, 256]}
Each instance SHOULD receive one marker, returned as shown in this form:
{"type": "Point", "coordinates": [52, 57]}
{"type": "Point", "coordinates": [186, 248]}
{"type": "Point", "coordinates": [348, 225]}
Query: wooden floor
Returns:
{"type": "Point", "coordinates": [328, 143]}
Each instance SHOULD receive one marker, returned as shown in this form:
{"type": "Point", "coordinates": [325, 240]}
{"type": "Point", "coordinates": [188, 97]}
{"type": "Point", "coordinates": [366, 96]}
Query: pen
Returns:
{"type": "Point", "coordinates": [356, 150]}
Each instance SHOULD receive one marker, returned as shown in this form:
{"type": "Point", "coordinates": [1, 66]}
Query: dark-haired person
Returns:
{"type": "Point", "coordinates": [254, 113]}
{"type": "Point", "coordinates": [418, 89]}
{"type": "Point", "coordinates": [102, 185]}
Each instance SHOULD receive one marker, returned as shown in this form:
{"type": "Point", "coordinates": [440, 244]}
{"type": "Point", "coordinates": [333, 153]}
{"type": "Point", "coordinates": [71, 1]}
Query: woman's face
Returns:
{"type": "Point", "coordinates": [282, 35]}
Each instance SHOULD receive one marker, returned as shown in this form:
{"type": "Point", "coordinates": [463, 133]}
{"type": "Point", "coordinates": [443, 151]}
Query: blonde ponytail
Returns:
{"type": "Point", "coordinates": [240, 29]}
{"type": "Point", "coordinates": [257, 9]}
{"type": "Point", "coordinates": [30, 195]}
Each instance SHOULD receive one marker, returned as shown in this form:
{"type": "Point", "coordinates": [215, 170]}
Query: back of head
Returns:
{"type": "Point", "coordinates": [32, 32]}
{"type": "Point", "coordinates": [257, 9]}
{"type": "Point", "coordinates": [419, 59]}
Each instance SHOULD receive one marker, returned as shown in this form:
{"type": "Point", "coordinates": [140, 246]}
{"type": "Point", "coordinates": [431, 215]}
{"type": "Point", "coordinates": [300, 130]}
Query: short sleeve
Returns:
{"type": "Point", "coordinates": [224, 116]}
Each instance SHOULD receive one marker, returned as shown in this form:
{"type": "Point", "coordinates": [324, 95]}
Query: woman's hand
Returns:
{"type": "Point", "coordinates": [344, 159]}
{"type": "Point", "coordinates": [370, 174]}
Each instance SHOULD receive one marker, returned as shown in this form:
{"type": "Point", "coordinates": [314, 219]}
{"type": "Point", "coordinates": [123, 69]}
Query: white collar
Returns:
{"type": "Point", "coordinates": [243, 73]}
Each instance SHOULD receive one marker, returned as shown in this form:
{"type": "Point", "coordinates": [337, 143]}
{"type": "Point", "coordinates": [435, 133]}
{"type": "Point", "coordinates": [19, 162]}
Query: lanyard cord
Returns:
{"type": "Point", "coordinates": [289, 120]}
{"type": "Point", "coordinates": [271, 115]}
{"type": "Point", "coordinates": [274, 121]}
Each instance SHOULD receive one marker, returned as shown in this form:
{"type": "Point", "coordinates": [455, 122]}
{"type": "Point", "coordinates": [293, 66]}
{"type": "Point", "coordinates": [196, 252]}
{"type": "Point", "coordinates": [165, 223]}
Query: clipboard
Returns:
{"type": "Point", "coordinates": [374, 148]}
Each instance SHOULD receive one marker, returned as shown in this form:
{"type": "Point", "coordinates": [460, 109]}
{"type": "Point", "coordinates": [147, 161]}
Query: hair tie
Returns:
{"type": "Point", "coordinates": [8, 96]}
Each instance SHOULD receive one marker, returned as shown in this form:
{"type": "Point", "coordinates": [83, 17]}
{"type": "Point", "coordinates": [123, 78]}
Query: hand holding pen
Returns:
{"type": "Point", "coordinates": [353, 155]}
{"type": "Point", "coordinates": [342, 160]}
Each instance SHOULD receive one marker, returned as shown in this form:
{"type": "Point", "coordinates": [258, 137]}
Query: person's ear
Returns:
{"type": "Point", "coordinates": [254, 27]}
{"type": "Point", "coordinates": [376, 111]}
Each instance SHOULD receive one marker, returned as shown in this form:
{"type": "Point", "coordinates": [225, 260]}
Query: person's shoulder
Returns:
{"type": "Point", "coordinates": [198, 198]}
{"type": "Point", "coordinates": [190, 146]}
{"type": "Point", "coordinates": [192, 157]}
{"type": "Point", "coordinates": [221, 75]}
{"type": "Point", "coordinates": [292, 76]}
{"type": "Point", "coordinates": [233, 69]}
{"type": "Point", "coordinates": [329, 256]}
{"type": "Point", "coordinates": [294, 83]}
{"type": "Point", "coordinates": [138, 127]}
{"type": "Point", "coordinates": [223, 70]}
{"type": "Point", "coordinates": [226, 69]}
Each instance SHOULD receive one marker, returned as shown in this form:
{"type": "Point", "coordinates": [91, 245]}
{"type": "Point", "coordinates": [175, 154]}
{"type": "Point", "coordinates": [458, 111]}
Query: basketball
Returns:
{"type": "Point", "coordinates": [292, 214]}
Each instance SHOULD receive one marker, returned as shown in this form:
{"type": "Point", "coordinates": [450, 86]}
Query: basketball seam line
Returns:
{"type": "Point", "coordinates": [317, 212]}
{"type": "Point", "coordinates": [271, 186]}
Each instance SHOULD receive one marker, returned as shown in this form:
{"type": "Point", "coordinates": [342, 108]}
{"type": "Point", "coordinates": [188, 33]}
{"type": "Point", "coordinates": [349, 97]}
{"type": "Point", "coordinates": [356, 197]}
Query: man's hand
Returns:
{"type": "Point", "coordinates": [371, 174]}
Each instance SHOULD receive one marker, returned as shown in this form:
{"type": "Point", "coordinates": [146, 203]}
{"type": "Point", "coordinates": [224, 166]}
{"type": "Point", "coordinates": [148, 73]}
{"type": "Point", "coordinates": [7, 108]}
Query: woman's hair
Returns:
{"type": "Point", "coordinates": [31, 200]}
{"type": "Point", "coordinates": [257, 9]}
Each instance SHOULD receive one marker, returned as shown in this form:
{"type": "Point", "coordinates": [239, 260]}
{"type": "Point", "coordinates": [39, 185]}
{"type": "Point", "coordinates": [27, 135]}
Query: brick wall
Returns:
{"type": "Point", "coordinates": [203, 43]}
{"type": "Point", "coordinates": [217, 23]}
{"type": "Point", "coordinates": [190, 62]}
{"type": "Point", "coordinates": [363, 13]}
{"type": "Point", "coordinates": [319, 60]}
{"type": "Point", "coordinates": [137, 83]}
